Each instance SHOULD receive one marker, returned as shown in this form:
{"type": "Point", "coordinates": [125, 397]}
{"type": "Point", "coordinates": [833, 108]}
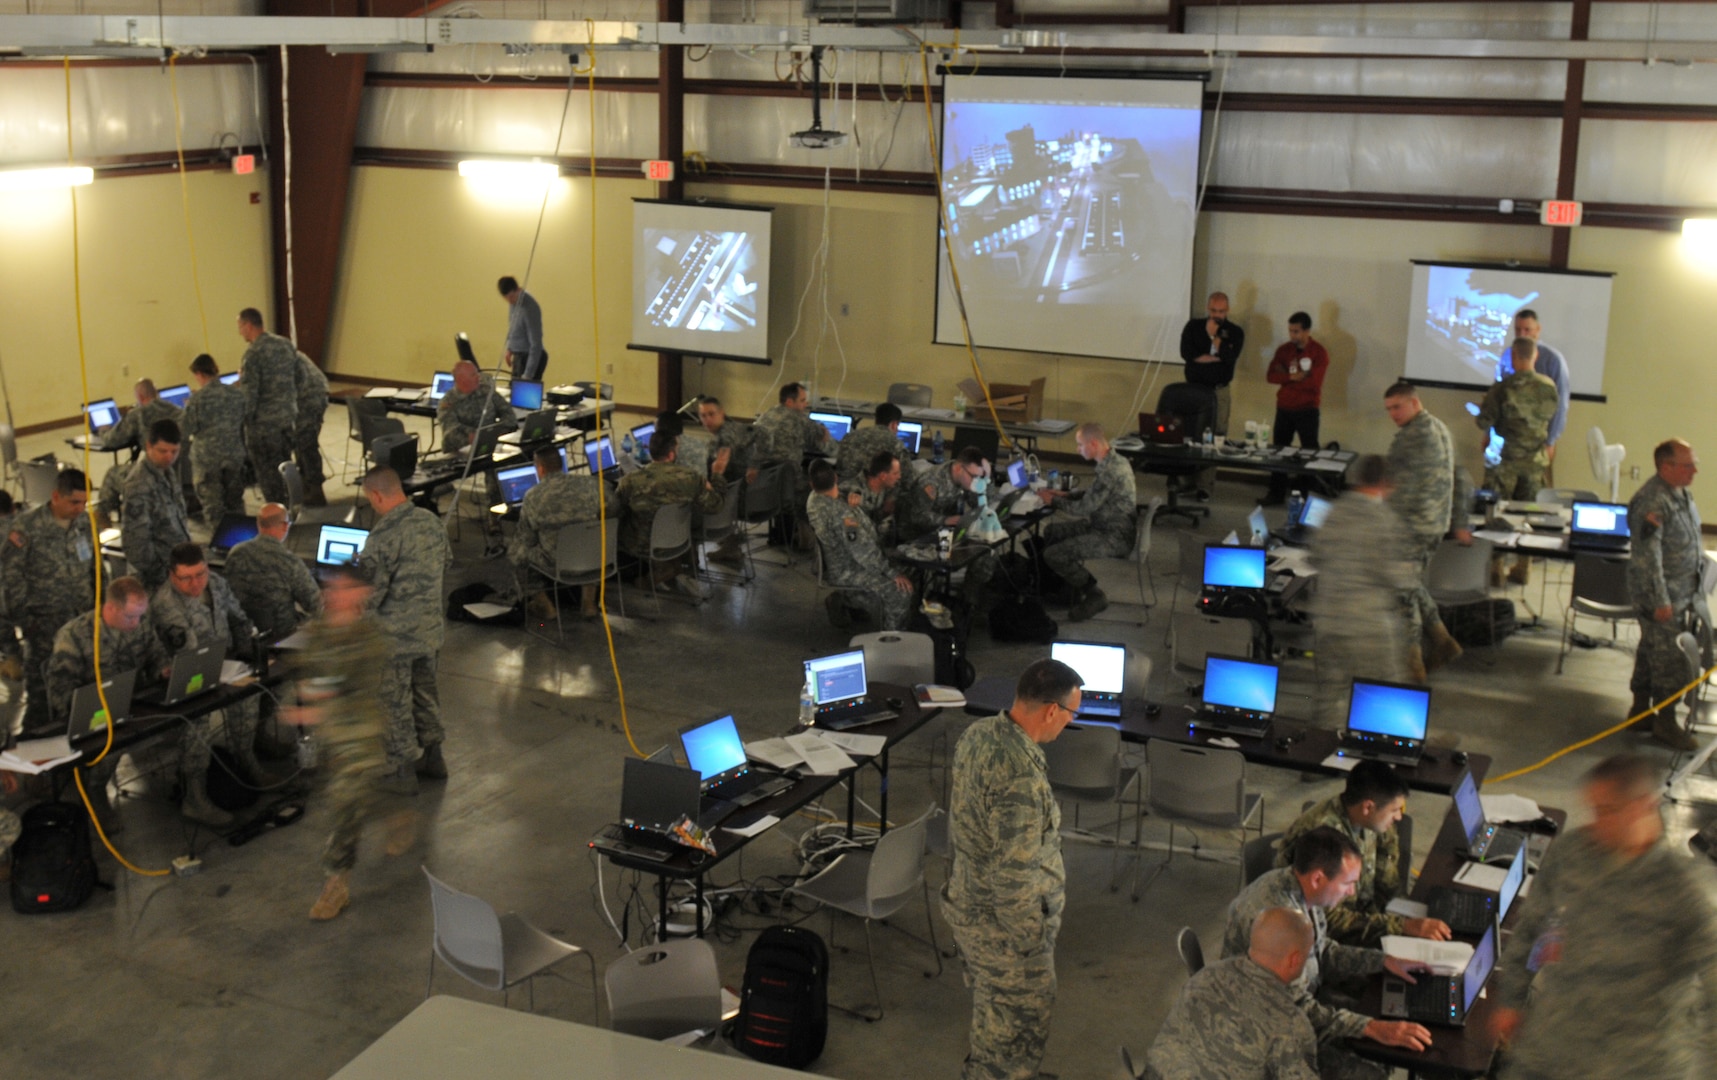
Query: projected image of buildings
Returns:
{"type": "Point", "coordinates": [1469, 319]}
{"type": "Point", "coordinates": [700, 279]}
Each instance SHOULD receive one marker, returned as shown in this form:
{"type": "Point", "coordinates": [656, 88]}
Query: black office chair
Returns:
{"type": "Point", "coordinates": [1196, 406]}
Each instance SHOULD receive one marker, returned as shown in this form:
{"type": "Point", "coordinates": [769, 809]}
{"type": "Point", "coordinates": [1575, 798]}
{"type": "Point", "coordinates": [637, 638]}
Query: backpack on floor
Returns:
{"type": "Point", "coordinates": [1022, 620]}
{"type": "Point", "coordinates": [784, 1001]}
{"type": "Point", "coordinates": [52, 866]}
{"type": "Point", "coordinates": [225, 788]}
{"type": "Point", "coordinates": [1479, 623]}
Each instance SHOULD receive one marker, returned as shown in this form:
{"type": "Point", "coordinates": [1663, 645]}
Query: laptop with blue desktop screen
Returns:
{"type": "Point", "coordinates": [439, 384]}
{"type": "Point", "coordinates": [714, 750]}
{"type": "Point", "coordinates": [102, 415]}
{"type": "Point", "coordinates": [1600, 527]}
{"type": "Point", "coordinates": [1103, 667]}
{"type": "Point", "coordinates": [1019, 474]}
{"type": "Point", "coordinates": [230, 377]}
{"type": "Point", "coordinates": [911, 433]}
{"type": "Point", "coordinates": [1487, 841]}
{"type": "Point", "coordinates": [1239, 696]}
{"type": "Point", "coordinates": [1386, 722]}
{"type": "Point", "coordinates": [176, 395]}
{"type": "Point", "coordinates": [837, 425]}
{"type": "Point", "coordinates": [600, 454]}
{"type": "Point", "coordinates": [1227, 568]}
{"type": "Point", "coordinates": [838, 689]}
{"type": "Point", "coordinates": [527, 395]}
{"type": "Point", "coordinates": [515, 482]}
{"type": "Point", "coordinates": [233, 530]}
{"type": "Point", "coordinates": [641, 439]}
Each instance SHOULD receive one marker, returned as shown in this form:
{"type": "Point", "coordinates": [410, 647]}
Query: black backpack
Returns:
{"type": "Point", "coordinates": [52, 866]}
{"type": "Point", "coordinates": [1022, 620]}
{"type": "Point", "coordinates": [784, 1002]}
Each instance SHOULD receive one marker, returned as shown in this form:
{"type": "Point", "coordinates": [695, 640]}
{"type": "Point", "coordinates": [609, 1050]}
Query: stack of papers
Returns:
{"type": "Point", "coordinates": [381, 391]}
{"type": "Point", "coordinates": [233, 671]}
{"type": "Point", "coordinates": [1481, 876]}
{"type": "Point", "coordinates": [1509, 808]}
{"type": "Point", "coordinates": [1499, 537]}
{"type": "Point", "coordinates": [815, 753]}
{"type": "Point", "coordinates": [35, 756]}
{"type": "Point", "coordinates": [1442, 957]}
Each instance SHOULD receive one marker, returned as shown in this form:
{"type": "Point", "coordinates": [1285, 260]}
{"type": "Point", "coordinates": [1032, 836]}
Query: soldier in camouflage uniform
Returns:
{"type": "Point", "coordinates": [1237, 1019]}
{"type": "Point", "coordinates": [665, 482]}
{"type": "Point", "coordinates": [1618, 927]}
{"type": "Point", "coordinates": [861, 446]}
{"type": "Point", "coordinates": [405, 560]}
{"type": "Point", "coordinates": [127, 644]}
{"type": "Point", "coordinates": [10, 828]}
{"type": "Point", "coordinates": [783, 436]}
{"type": "Point", "coordinates": [1103, 527]}
{"type": "Point", "coordinates": [312, 406]}
{"type": "Point", "coordinates": [1325, 869]}
{"type": "Point", "coordinates": [214, 422]}
{"type": "Point", "coordinates": [340, 675]}
{"type": "Point", "coordinates": [1007, 885]}
{"type": "Point", "coordinates": [852, 557]}
{"type": "Point", "coordinates": [1431, 496]}
{"type": "Point", "coordinates": [555, 502]}
{"type": "Point", "coordinates": [873, 495]}
{"type": "Point", "coordinates": [1366, 812]}
{"type": "Point", "coordinates": [1520, 408]}
{"type": "Point", "coordinates": [472, 403]}
{"type": "Point", "coordinates": [1663, 581]}
{"type": "Point", "coordinates": [926, 502]}
{"type": "Point", "coordinates": [272, 585]}
{"type": "Point", "coordinates": [730, 435]}
{"type": "Point", "coordinates": [130, 432]}
{"type": "Point", "coordinates": [48, 569]}
{"type": "Point", "coordinates": [155, 517]}
{"type": "Point", "coordinates": [1364, 566]}
{"type": "Point", "coordinates": [269, 381]}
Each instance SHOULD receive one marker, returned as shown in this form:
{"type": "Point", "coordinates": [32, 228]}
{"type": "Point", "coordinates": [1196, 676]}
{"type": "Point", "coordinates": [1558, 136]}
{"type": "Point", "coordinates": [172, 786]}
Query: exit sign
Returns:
{"type": "Point", "coordinates": [659, 170]}
{"type": "Point", "coordinates": [244, 164]}
{"type": "Point", "coordinates": [1560, 212]}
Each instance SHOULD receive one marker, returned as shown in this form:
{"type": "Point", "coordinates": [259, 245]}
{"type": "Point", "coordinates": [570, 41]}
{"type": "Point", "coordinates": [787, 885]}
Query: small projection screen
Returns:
{"type": "Point", "coordinates": [1461, 319]}
{"type": "Point", "coordinates": [700, 279]}
{"type": "Point", "coordinates": [1070, 206]}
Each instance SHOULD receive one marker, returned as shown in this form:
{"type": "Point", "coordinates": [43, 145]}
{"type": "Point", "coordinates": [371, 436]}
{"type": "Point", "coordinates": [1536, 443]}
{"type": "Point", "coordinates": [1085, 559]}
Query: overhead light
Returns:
{"type": "Point", "coordinates": [45, 179]}
{"type": "Point", "coordinates": [1699, 241]}
{"type": "Point", "coordinates": [514, 175]}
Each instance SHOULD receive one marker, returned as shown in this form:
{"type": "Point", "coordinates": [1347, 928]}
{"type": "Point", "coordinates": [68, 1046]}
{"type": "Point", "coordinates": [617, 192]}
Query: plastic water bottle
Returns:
{"type": "Point", "coordinates": [1296, 507]}
{"type": "Point", "coordinates": [807, 703]}
{"type": "Point", "coordinates": [936, 448]}
{"type": "Point", "coordinates": [629, 446]}
{"type": "Point", "coordinates": [1209, 438]}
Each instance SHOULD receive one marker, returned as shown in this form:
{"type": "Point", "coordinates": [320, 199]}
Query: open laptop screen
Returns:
{"type": "Point", "coordinates": [177, 395]}
{"type": "Point", "coordinates": [1467, 804]}
{"type": "Point", "coordinates": [837, 678]}
{"type": "Point", "coordinates": [1240, 684]}
{"type": "Point", "coordinates": [439, 384]}
{"type": "Point", "coordinates": [1103, 667]}
{"type": "Point", "coordinates": [600, 453]}
{"type": "Point", "coordinates": [230, 377]}
{"type": "Point", "coordinates": [654, 795]}
{"type": "Point", "coordinates": [102, 414]}
{"type": "Point", "coordinates": [233, 530]}
{"type": "Point", "coordinates": [1510, 887]}
{"type": "Point", "coordinates": [713, 747]}
{"type": "Point", "coordinates": [1600, 519]}
{"type": "Point", "coordinates": [1399, 712]}
{"type": "Point", "coordinates": [837, 424]}
{"type": "Point", "coordinates": [911, 433]}
{"type": "Point", "coordinates": [338, 544]}
{"type": "Point", "coordinates": [1019, 474]}
{"type": "Point", "coordinates": [514, 482]}
{"type": "Point", "coordinates": [1479, 967]}
{"type": "Point", "coordinates": [527, 394]}
{"type": "Point", "coordinates": [1316, 510]}
{"type": "Point", "coordinates": [1233, 567]}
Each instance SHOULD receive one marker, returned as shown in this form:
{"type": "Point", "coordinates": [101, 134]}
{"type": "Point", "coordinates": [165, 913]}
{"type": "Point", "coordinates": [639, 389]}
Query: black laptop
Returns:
{"type": "Point", "coordinates": [654, 796]}
{"type": "Point", "coordinates": [840, 692]}
{"type": "Point", "coordinates": [1470, 911]}
{"type": "Point", "coordinates": [1599, 527]}
{"type": "Point", "coordinates": [1444, 1000]}
{"type": "Point", "coordinates": [1239, 696]}
{"type": "Point", "coordinates": [715, 752]}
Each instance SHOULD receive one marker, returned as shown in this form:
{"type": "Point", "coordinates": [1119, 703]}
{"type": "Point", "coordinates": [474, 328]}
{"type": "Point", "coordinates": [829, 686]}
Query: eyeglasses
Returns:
{"type": "Point", "coordinates": [1066, 709]}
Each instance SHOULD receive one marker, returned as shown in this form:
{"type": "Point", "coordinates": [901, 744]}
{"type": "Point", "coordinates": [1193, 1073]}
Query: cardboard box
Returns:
{"type": "Point", "coordinates": [1015, 402]}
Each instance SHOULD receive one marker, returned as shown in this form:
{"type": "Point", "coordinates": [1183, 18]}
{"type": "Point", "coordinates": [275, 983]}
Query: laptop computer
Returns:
{"type": "Point", "coordinates": [1019, 474]}
{"type": "Point", "coordinates": [1386, 722]}
{"type": "Point", "coordinates": [1312, 514]}
{"type": "Point", "coordinates": [233, 530]}
{"type": "Point", "coordinates": [641, 441]}
{"type": "Point", "coordinates": [1103, 666]}
{"type": "Point", "coordinates": [1445, 1000]}
{"type": "Point", "coordinates": [600, 453]}
{"type": "Point", "coordinates": [654, 796]}
{"type": "Point", "coordinates": [1239, 696]}
{"type": "Point", "coordinates": [102, 415]}
{"type": "Point", "coordinates": [195, 671]}
{"type": "Point", "coordinates": [536, 427]}
{"type": "Point", "coordinates": [337, 545]}
{"type": "Point", "coordinates": [1471, 911]}
{"type": "Point", "coordinates": [514, 482]}
{"type": "Point", "coordinates": [1486, 841]}
{"type": "Point", "coordinates": [1601, 527]}
{"type": "Point", "coordinates": [837, 424]}
{"type": "Point", "coordinates": [1228, 568]}
{"type": "Point", "coordinates": [439, 384]}
{"type": "Point", "coordinates": [1259, 527]}
{"type": "Point", "coordinates": [87, 715]}
{"type": "Point", "coordinates": [714, 751]}
{"type": "Point", "coordinates": [230, 378]}
{"type": "Point", "coordinates": [1164, 429]}
{"type": "Point", "coordinates": [838, 689]}
{"type": "Point", "coordinates": [527, 394]}
{"type": "Point", "coordinates": [176, 395]}
{"type": "Point", "coordinates": [911, 433]}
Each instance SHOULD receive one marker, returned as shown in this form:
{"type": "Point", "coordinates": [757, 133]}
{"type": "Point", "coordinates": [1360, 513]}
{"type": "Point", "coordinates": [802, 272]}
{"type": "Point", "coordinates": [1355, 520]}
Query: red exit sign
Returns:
{"type": "Point", "coordinates": [659, 170]}
{"type": "Point", "coordinates": [1560, 212]}
{"type": "Point", "coordinates": [244, 164]}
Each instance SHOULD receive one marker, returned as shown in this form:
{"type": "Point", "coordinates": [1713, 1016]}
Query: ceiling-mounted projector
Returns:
{"type": "Point", "coordinates": [816, 137]}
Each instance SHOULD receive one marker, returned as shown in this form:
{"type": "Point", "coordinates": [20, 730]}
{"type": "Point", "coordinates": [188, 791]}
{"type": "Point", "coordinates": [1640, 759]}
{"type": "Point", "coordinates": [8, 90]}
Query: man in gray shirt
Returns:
{"type": "Point", "coordinates": [524, 331]}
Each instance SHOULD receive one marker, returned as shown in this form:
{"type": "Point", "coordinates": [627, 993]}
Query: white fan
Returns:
{"type": "Point", "coordinates": [1606, 460]}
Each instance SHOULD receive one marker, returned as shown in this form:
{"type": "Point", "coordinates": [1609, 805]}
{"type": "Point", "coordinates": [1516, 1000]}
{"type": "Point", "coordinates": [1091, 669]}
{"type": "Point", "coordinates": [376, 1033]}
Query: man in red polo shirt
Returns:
{"type": "Point", "coordinates": [1298, 368]}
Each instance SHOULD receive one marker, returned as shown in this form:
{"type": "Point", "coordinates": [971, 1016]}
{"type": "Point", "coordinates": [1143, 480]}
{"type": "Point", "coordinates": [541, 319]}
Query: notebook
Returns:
{"type": "Point", "coordinates": [1386, 722]}
{"type": "Point", "coordinates": [527, 394]}
{"type": "Point", "coordinates": [233, 530]}
{"type": "Point", "coordinates": [838, 690]}
{"type": "Point", "coordinates": [1598, 527]}
{"type": "Point", "coordinates": [713, 749]}
{"type": "Point", "coordinates": [1019, 474]}
{"type": "Point", "coordinates": [230, 378]}
{"type": "Point", "coordinates": [1443, 999]}
{"type": "Point", "coordinates": [1103, 666]}
{"type": "Point", "coordinates": [1239, 696]}
{"type": "Point", "coordinates": [600, 454]}
{"type": "Point", "coordinates": [536, 427]}
{"type": "Point", "coordinates": [837, 424]}
{"type": "Point", "coordinates": [654, 796]}
{"type": "Point", "coordinates": [641, 439]}
{"type": "Point", "coordinates": [1486, 841]}
{"type": "Point", "coordinates": [87, 715]}
{"type": "Point", "coordinates": [439, 384]}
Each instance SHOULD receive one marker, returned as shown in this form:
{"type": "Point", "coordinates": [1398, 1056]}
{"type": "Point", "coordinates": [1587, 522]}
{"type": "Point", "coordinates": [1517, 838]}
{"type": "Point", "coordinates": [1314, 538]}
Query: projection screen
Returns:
{"type": "Point", "coordinates": [700, 279]}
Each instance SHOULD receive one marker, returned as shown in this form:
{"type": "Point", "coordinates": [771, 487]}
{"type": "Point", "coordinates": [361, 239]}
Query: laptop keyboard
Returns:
{"type": "Point", "coordinates": [1431, 999]}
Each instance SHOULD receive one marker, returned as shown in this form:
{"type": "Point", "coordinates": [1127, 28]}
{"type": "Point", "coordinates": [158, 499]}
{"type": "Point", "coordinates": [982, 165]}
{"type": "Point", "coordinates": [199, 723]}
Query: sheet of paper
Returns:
{"type": "Point", "coordinates": [1534, 542]}
{"type": "Point", "coordinates": [767, 821]}
{"type": "Point", "coordinates": [1339, 761]}
{"type": "Point", "coordinates": [935, 694]}
{"type": "Point", "coordinates": [234, 670]}
{"type": "Point", "coordinates": [821, 758]}
{"type": "Point", "coordinates": [854, 743]}
{"type": "Point", "coordinates": [35, 756]}
{"type": "Point", "coordinates": [482, 610]}
{"type": "Point", "coordinates": [298, 639]}
{"type": "Point", "coordinates": [381, 391]}
{"type": "Point", "coordinates": [1327, 465]}
{"type": "Point", "coordinates": [1293, 560]}
{"type": "Point", "coordinates": [1442, 957]}
{"type": "Point", "coordinates": [1500, 807]}
{"type": "Point", "coordinates": [1407, 909]}
{"type": "Point", "coordinates": [1481, 876]}
{"type": "Point", "coordinates": [775, 753]}
{"type": "Point", "coordinates": [1499, 537]}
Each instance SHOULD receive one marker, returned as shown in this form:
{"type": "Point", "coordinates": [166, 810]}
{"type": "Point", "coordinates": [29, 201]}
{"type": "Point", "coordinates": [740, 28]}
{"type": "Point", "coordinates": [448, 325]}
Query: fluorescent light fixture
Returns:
{"type": "Point", "coordinates": [47, 178]}
{"type": "Point", "coordinates": [535, 174]}
{"type": "Point", "coordinates": [1699, 242]}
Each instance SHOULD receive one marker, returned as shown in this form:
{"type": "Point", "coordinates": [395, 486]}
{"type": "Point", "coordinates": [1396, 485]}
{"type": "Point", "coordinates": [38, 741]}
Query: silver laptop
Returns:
{"type": "Point", "coordinates": [195, 671]}
{"type": "Point", "coordinates": [87, 715]}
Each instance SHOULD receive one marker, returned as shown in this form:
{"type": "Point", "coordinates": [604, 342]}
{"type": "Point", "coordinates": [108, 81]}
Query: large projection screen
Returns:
{"type": "Point", "coordinates": [700, 279]}
{"type": "Point", "coordinates": [1070, 206]}
{"type": "Point", "coordinates": [1461, 319]}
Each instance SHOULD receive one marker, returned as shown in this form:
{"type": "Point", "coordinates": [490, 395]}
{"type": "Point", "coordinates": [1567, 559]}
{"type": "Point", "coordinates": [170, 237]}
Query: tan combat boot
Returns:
{"type": "Point", "coordinates": [1520, 571]}
{"type": "Point", "coordinates": [1444, 648]}
{"type": "Point", "coordinates": [1416, 664]}
{"type": "Point", "coordinates": [335, 896]}
{"type": "Point", "coordinates": [540, 607]}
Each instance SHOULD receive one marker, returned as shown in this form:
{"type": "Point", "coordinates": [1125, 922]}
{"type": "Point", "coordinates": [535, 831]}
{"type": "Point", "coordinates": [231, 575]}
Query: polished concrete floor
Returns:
{"type": "Point", "coordinates": [222, 975]}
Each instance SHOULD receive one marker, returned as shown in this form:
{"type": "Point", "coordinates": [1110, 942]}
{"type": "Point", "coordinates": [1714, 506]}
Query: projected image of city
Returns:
{"type": "Point", "coordinates": [701, 279]}
{"type": "Point", "coordinates": [1469, 320]}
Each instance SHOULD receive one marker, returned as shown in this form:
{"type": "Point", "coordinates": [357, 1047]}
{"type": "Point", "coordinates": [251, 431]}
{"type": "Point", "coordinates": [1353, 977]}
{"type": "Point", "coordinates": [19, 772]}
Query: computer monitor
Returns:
{"type": "Point", "coordinates": [230, 377]}
{"type": "Point", "coordinates": [911, 433]}
{"type": "Point", "coordinates": [439, 384]}
{"type": "Point", "coordinates": [102, 415]}
{"type": "Point", "coordinates": [1103, 667]}
{"type": "Point", "coordinates": [641, 438]}
{"type": "Point", "coordinates": [176, 395]}
{"type": "Point", "coordinates": [1394, 710]}
{"type": "Point", "coordinates": [1600, 519]}
{"type": "Point", "coordinates": [1234, 683]}
{"type": "Point", "coordinates": [527, 394]}
{"type": "Point", "coordinates": [1315, 511]}
{"type": "Point", "coordinates": [713, 747]}
{"type": "Point", "coordinates": [514, 482]}
{"type": "Point", "coordinates": [600, 453]}
{"type": "Point", "coordinates": [837, 678]}
{"type": "Point", "coordinates": [837, 424]}
{"type": "Point", "coordinates": [337, 545]}
{"type": "Point", "coordinates": [1227, 567]}
{"type": "Point", "coordinates": [1019, 473]}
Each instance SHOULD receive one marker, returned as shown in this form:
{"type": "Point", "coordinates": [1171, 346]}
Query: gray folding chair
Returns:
{"type": "Point", "coordinates": [357, 409]}
{"type": "Point", "coordinates": [1460, 573]}
{"type": "Point", "coordinates": [718, 526]}
{"type": "Point", "coordinates": [1085, 767]}
{"type": "Point", "coordinates": [896, 656]}
{"type": "Point", "coordinates": [763, 503]}
{"type": "Point", "coordinates": [1200, 785]}
{"type": "Point", "coordinates": [496, 952]}
{"type": "Point", "coordinates": [1600, 592]}
{"type": "Point", "coordinates": [578, 561]}
{"type": "Point", "coordinates": [907, 393]}
{"type": "Point", "coordinates": [670, 539]}
{"type": "Point", "coordinates": [39, 478]}
{"type": "Point", "coordinates": [294, 481]}
{"type": "Point", "coordinates": [665, 990]}
{"type": "Point", "coordinates": [874, 885]}
{"type": "Point", "coordinates": [1258, 856]}
{"type": "Point", "coordinates": [1191, 952]}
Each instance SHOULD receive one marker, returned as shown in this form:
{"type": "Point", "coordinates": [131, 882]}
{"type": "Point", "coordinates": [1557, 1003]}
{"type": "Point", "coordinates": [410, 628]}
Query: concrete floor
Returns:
{"type": "Point", "coordinates": [222, 975]}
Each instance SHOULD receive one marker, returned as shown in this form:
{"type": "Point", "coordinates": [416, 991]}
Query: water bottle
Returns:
{"type": "Point", "coordinates": [1296, 507]}
{"type": "Point", "coordinates": [629, 446]}
{"type": "Point", "coordinates": [306, 749]}
{"type": "Point", "coordinates": [1209, 438]}
{"type": "Point", "coordinates": [936, 448]}
{"type": "Point", "coordinates": [807, 703]}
